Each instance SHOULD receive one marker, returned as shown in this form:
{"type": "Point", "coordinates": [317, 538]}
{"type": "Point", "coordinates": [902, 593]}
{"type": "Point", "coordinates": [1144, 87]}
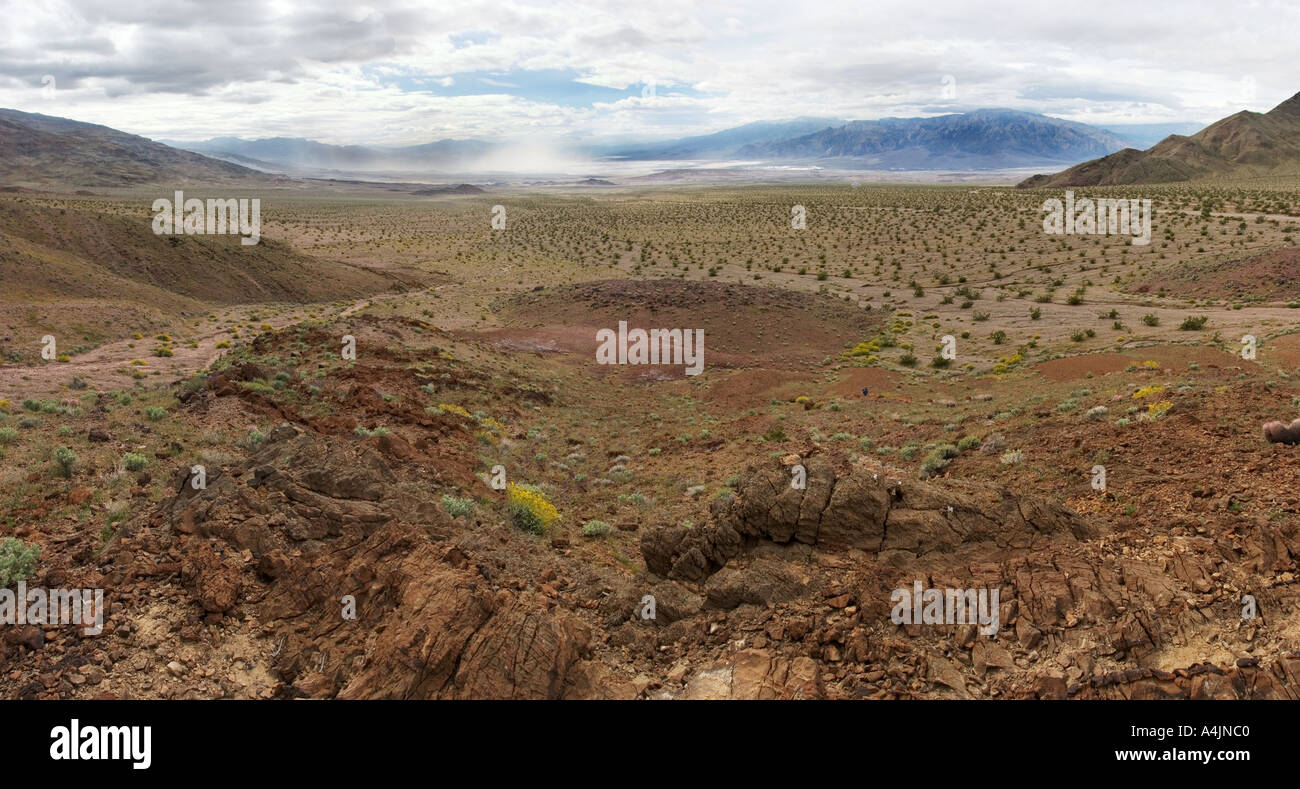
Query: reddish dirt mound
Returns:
{"type": "Point", "coordinates": [742, 324]}
{"type": "Point", "coordinates": [1282, 351]}
{"type": "Point", "coordinates": [751, 388]}
{"type": "Point", "coordinates": [1268, 276]}
{"type": "Point", "coordinates": [1072, 368]}
{"type": "Point", "coordinates": [873, 378]}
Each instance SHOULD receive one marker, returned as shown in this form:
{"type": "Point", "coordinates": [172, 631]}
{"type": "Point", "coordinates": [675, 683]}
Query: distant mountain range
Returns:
{"type": "Point", "coordinates": [39, 149]}
{"type": "Point", "coordinates": [984, 139]}
{"type": "Point", "coordinates": [1241, 146]}
{"type": "Point", "coordinates": [719, 145]}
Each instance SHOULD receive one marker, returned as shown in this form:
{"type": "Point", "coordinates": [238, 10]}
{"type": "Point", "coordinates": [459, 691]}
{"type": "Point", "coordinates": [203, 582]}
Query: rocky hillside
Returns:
{"type": "Point", "coordinates": [1241, 146]}
{"type": "Point", "coordinates": [41, 150]}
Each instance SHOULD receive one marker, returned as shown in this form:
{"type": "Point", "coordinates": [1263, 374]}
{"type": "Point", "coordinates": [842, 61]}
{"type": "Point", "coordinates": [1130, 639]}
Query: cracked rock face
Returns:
{"type": "Point", "coordinates": [885, 516]}
{"type": "Point", "coordinates": [806, 575]}
{"type": "Point", "coordinates": [309, 521]}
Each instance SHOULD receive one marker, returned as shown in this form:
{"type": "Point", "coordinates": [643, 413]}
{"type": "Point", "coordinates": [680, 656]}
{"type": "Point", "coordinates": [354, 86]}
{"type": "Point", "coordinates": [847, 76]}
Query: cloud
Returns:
{"type": "Point", "coordinates": [403, 71]}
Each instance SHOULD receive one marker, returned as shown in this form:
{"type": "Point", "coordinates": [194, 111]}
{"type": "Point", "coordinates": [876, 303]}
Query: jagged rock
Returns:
{"type": "Point", "coordinates": [864, 509]}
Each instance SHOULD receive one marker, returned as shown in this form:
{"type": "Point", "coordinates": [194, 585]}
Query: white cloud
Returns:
{"type": "Point", "coordinates": [194, 69]}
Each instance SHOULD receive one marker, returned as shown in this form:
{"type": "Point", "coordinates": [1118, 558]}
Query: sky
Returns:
{"type": "Point", "coordinates": [401, 73]}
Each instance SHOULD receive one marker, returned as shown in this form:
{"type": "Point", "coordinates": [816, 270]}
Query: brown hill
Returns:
{"type": "Point", "coordinates": [1244, 145]}
{"type": "Point", "coordinates": [84, 253]}
{"type": "Point", "coordinates": [44, 150]}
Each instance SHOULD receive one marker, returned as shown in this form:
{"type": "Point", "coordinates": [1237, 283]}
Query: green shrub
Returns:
{"type": "Point", "coordinates": [66, 459]}
{"type": "Point", "coordinates": [457, 507]}
{"type": "Point", "coordinates": [134, 461]}
{"type": "Point", "coordinates": [946, 451]}
{"type": "Point", "coordinates": [968, 443]}
{"type": "Point", "coordinates": [1194, 323]}
{"type": "Point", "coordinates": [596, 529]}
{"type": "Point", "coordinates": [8, 435]}
{"type": "Point", "coordinates": [17, 561]}
{"type": "Point", "coordinates": [155, 414]}
{"type": "Point", "coordinates": [934, 463]}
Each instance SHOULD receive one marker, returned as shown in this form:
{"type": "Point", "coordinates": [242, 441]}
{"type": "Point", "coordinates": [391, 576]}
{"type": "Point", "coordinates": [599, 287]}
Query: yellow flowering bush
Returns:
{"type": "Point", "coordinates": [529, 509]}
{"type": "Point", "coordinates": [1147, 390]}
{"type": "Point", "coordinates": [1007, 363]}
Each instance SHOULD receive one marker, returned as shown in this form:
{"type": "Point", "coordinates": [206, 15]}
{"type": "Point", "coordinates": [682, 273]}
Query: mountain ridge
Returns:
{"type": "Point", "coordinates": [1245, 144]}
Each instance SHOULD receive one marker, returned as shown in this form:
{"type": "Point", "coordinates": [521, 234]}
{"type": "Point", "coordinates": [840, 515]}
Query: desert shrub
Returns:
{"type": "Point", "coordinates": [1098, 412]}
{"type": "Point", "coordinates": [1007, 363]}
{"type": "Point", "coordinates": [934, 463]}
{"type": "Point", "coordinates": [907, 360]}
{"type": "Point", "coordinates": [1151, 319]}
{"type": "Point", "coordinates": [155, 414]}
{"type": "Point", "coordinates": [457, 507]}
{"type": "Point", "coordinates": [596, 529]}
{"type": "Point", "coordinates": [1191, 323]}
{"type": "Point", "coordinates": [66, 459]}
{"type": "Point", "coordinates": [1012, 458]}
{"type": "Point", "coordinates": [529, 509]}
{"type": "Point", "coordinates": [134, 461]}
{"type": "Point", "coordinates": [968, 443]}
{"type": "Point", "coordinates": [17, 561]}
{"type": "Point", "coordinates": [8, 435]}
